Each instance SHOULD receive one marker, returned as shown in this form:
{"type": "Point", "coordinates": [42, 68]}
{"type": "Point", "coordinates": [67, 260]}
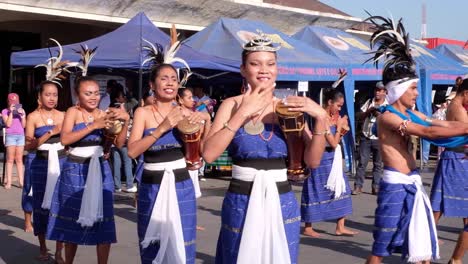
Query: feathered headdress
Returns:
{"type": "Point", "coordinates": [157, 56]}
{"type": "Point", "coordinates": [394, 47]}
{"type": "Point", "coordinates": [55, 66]}
{"type": "Point", "coordinates": [87, 55]}
{"type": "Point", "coordinates": [261, 42]}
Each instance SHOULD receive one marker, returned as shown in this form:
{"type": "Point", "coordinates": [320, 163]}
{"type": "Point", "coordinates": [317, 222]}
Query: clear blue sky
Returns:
{"type": "Point", "coordinates": [445, 18]}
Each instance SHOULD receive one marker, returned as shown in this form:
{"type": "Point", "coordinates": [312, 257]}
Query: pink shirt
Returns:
{"type": "Point", "coordinates": [16, 128]}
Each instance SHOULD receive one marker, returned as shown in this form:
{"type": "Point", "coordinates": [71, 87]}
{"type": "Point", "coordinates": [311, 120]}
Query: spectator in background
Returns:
{"type": "Point", "coordinates": [105, 101]}
{"type": "Point", "coordinates": [147, 99]}
{"type": "Point", "coordinates": [119, 156]}
{"type": "Point", "coordinates": [369, 141]}
{"type": "Point", "coordinates": [203, 103]}
{"type": "Point", "coordinates": [14, 118]}
{"type": "Point", "coordinates": [440, 114]}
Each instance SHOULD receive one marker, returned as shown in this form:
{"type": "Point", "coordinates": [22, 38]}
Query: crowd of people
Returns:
{"type": "Point", "coordinates": [69, 183]}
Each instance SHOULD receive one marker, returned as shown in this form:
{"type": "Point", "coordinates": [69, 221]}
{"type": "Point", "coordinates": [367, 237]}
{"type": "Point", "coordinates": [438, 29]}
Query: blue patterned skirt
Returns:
{"type": "Point", "coordinates": [449, 194]}
{"type": "Point", "coordinates": [66, 205]}
{"type": "Point", "coordinates": [233, 215]}
{"type": "Point", "coordinates": [317, 202]}
{"type": "Point", "coordinates": [27, 201]}
{"type": "Point", "coordinates": [147, 194]}
{"type": "Point", "coordinates": [392, 218]}
{"type": "Point", "coordinates": [38, 172]}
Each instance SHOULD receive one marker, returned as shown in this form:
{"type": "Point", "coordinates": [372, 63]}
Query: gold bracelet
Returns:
{"type": "Point", "coordinates": [326, 132]}
{"type": "Point", "coordinates": [152, 134]}
{"type": "Point", "coordinates": [226, 126]}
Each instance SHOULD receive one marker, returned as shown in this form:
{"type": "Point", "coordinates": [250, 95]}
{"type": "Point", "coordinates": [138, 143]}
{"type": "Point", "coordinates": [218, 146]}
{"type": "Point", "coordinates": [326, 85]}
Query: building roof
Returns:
{"type": "Point", "coordinates": [193, 14]}
{"type": "Point", "coordinates": [312, 5]}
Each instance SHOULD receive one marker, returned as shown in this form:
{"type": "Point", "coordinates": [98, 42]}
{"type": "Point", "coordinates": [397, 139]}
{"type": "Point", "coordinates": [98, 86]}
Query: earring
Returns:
{"type": "Point", "coordinates": [39, 104]}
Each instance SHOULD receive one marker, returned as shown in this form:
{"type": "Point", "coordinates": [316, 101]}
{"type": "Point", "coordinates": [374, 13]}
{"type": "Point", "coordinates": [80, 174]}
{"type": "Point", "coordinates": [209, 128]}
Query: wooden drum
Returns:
{"type": "Point", "coordinates": [191, 135]}
{"type": "Point", "coordinates": [292, 124]}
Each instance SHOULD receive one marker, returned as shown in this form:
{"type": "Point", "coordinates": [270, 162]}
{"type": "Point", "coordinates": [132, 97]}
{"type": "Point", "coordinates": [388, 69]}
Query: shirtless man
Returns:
{"type": "Point", "coordinates": [448, 194]}
{"type": "Point", "coordinates": [403, 218]}
{"type": "Point", "coordinates": [394, 134]}
{"type": "Point", "coordinates": [457, 112]}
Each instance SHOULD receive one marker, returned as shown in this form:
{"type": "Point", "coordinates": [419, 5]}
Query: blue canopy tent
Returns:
{"type": "Point", "coordinates": [297, 61]}
{"type": "Point", "coordinates": [434, 69]}
{"type": "Point", "coordinates": [122, 49]}
{"type": "Point", "coordinates": [455, 52]}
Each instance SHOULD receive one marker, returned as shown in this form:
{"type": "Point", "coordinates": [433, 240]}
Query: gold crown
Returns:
{"type": "Point", "coordinates": [261, 42]}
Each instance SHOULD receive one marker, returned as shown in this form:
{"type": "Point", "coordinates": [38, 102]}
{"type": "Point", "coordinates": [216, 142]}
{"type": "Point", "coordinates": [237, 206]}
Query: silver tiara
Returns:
{"type": "Point", "coordinates": [261, 42]}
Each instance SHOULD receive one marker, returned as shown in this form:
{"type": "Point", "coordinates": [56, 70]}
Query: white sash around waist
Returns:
{"type": "Point", "coordinates": [53, 171]}
{"type": "Point", "coordinates": [91, 210]}
{"type": "Point", "coordinates": [336, 182]}
{"type": "Point", "coordinates": [419, 236]}
{"type": "Point", "coordinates": [263, 236]}
{"type": "Point", "coordinates": [165, 225]}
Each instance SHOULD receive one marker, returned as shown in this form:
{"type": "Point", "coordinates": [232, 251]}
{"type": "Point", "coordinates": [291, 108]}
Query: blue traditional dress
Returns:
{"type": "Point", "coordinates": [36, 172]}
{"type": "Point", "coordinates": [319, 203]}
{"type": "Point", "coordinates": [68, 194]}
{"type": "Point", "coordinates": [449, 194]}
{"type": "Point", "coordinates": [26, 195]}
{"type": "Point", "coordinates": [168, 148]}
{"type": "Point", "coordinates": [263, 155]}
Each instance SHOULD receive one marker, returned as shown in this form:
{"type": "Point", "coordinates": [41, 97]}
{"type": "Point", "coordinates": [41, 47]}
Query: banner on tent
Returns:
{"type": "Point", "coordinates": [366, 71]}
{"type": "Point", "coordinates": [440, 76]}
{"type": "Point", "coordinates": [308, 71]}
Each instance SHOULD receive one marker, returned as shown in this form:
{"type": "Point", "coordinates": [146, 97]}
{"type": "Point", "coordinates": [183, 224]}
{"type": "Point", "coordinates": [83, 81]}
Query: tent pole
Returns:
{"type": "Point", "coordinates": [140, 83]}
{"type": "Point", "coordinates": [10, 81]}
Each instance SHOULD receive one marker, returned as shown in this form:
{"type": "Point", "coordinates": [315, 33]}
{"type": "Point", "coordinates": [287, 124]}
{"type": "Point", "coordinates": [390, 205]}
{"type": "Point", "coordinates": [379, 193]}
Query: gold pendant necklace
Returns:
{"type": "Point", "coordinates": [50, 119]}
{"type": "Point", "coordinates": [254, 128]}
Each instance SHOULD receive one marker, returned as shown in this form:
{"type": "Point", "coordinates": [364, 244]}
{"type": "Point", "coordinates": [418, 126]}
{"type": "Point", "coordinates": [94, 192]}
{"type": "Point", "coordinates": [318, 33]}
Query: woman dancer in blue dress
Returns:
{"type": "Point", "coordinates": [44, 160]}
{"type": "Point", "coordinates": [320, 201]}
{"type": "Point", "coordinates": [260, 216]}
{"type": "Point", "coordinates": [82, 209]}
{"type": "Point", "coordinates": [166, 197]}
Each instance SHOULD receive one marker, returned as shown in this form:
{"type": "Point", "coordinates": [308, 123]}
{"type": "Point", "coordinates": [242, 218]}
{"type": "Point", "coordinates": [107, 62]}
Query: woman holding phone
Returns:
{"type": "Point", "coordinates": [14, 118]}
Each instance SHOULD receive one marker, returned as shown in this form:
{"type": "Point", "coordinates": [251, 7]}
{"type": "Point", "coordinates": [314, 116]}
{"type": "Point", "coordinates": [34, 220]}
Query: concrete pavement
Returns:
{"type": "Point", "coordinates": [16, 246]}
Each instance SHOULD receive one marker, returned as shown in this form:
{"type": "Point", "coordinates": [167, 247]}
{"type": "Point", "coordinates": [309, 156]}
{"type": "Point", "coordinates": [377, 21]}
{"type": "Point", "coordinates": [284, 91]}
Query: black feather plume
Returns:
{"type": "Point", "coordinates": [155, 53]}
{"type": "Point", "coordinates": [393, 46]}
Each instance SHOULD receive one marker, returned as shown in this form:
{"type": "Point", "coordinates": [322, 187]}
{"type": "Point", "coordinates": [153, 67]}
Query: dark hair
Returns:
{"type": "Point", "coordinates": [181, 91]}
{"type": "Point", "coordinates": [463, 86]}
{"type": "Point", "coordinates": [42, 85]}
{"type": "Point", "coordinates": [331, 94]}
{"type": "Point", "coordinates": [148, 94]}
{"type": "Point", "coordinates": [155, 71]}
{"type": "Point", "coordinates": [84, 79]}
{"type": "Point", "coordinates": [246, 53]}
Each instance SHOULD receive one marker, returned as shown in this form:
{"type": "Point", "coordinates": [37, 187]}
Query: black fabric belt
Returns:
{"type": "Point", "coordinates": [86, 144]}
{"type": "Point", "coordinates": [460, 149]}
{"type": "Point", "coordinates": [81, 160]}
{"type": "Point", "coordinates": [53, 139]}
{"type": "Point", "coordinates": [261, 164]}
{"type": "Point", "coordinates": [44, 154]}
{"type": "Point", "coordinates": [164, 155]}
{"type": "Point", "coordinates": [329, 149]}
{"type": "Point", "coordinates": [155, 177]}
{"type": "Point", "coordinates": [245, 187]}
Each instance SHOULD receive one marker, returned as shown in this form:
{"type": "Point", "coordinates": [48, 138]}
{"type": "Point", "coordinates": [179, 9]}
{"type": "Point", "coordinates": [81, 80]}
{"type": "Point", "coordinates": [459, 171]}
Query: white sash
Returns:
{"type": "Point", "coordinates": [165, 225]}
{"type": "Point", "coordinates": [196, 184]}
{"type": "Point", "coordinates": [53, 172]}
{"type": "Point", "coordinates": [263, 236]}
{"type": "Point", "coordinates": [419, 237]}
{"type": "Point", "coordinates": [91, 210]}
{"type": "Point", "coordinates": [336, 182]}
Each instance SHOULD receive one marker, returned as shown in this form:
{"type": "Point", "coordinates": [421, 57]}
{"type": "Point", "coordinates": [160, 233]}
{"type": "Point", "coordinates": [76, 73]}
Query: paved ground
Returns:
{"type": "Point", "coordinates": [17, 246]}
